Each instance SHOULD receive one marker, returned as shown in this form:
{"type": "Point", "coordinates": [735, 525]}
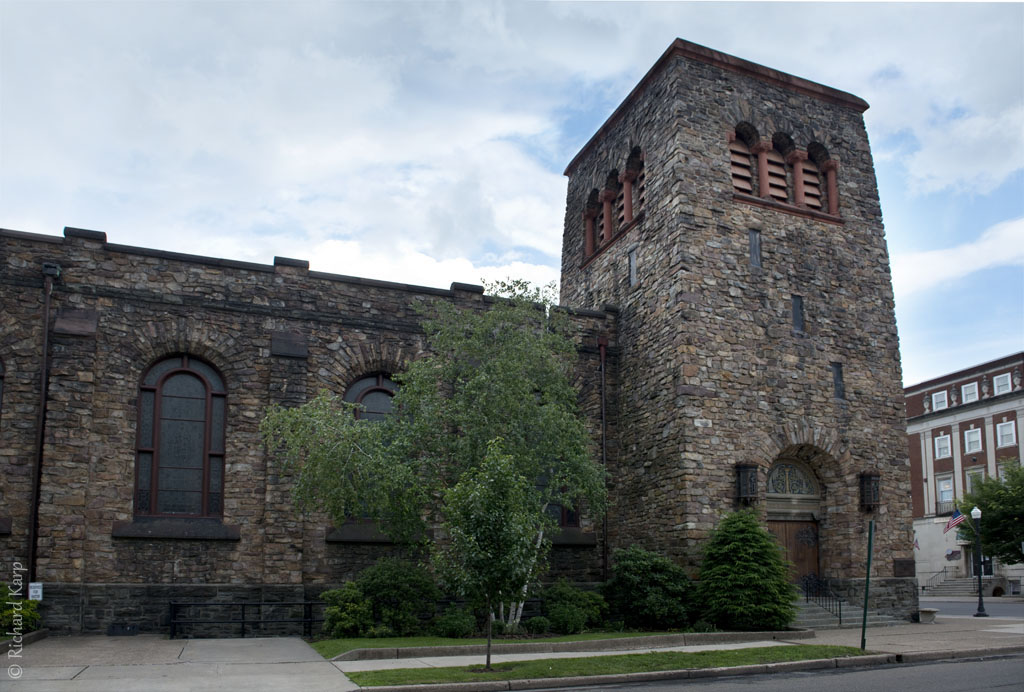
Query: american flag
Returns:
{"type": "Point", "coordinates": [954, 520]}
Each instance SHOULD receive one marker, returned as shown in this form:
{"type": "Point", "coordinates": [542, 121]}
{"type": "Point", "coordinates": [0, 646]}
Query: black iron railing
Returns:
{"type": "Point", "coordinates": [938, 578]}
{"type": "Point", "coordinates": [818, 591]}
{"type": "Point", "coordinates": [245, 615]}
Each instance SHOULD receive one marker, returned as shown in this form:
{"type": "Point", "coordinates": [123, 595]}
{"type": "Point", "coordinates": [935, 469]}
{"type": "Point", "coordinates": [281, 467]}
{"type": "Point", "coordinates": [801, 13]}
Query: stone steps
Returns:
{"type": "Point", "coordinates": [967, 586]}
{"type": "Point", "coordinates": [814, 617]}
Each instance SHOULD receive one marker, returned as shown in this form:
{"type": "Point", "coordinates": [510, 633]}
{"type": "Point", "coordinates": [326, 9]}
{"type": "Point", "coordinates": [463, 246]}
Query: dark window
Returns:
{"type": "Point", "coordinates": [798, 313]}
{"type": "Point", "coordinates": [566, 518]}
{"type": "Point", "coordinates": [632, 267]}
{"type": "Point", "coordinates": [837, 381]}
{"type": "Point", "coordinates": [179, 466]}
{"type": "Point", "coordinates": [754, 238]}
{"type": "Point", "coordinates": [374, 394]}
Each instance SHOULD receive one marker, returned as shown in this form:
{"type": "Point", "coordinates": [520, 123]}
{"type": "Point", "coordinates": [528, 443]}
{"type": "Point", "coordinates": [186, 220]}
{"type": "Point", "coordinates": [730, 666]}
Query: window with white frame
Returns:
{"type": "Point", "coordinates": [944, 486]}
{"type": "Point", "coordinates": [969, 392]}
{"type": "Point", "coordinates": [973, 478]}
{"type": "Point", "coordinates": [972, 440]}
{"type": "Point", "coordinates": [942, 447]}
{"type": "Point", "coordinates": [939, 401]}
{"type": "Point", "coordinates": [1006, 434]}
{"type": "Point", "coordinates": [1001, 384]}
{"type": "Point", "coordinates": [1004, 469]}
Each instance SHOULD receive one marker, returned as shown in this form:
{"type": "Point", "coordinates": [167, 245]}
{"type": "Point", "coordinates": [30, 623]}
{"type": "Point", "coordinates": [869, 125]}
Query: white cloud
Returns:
{"type": "Point", "coordinates": [998, 246]}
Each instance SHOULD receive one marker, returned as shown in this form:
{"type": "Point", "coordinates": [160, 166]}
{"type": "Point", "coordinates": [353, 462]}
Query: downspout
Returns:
{"type": "Point", "coordinates": [51, 271]}
{"type": "Point", "coordinates": [602, 347]}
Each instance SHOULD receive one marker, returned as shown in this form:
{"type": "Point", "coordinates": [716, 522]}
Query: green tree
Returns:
{"type": "Point", "coordinates": [744, 582]}
{"type": "Point", "coordinates": [501, 371]}
{"type": "Point", "coordinates": [1002, 514]}
{"type": "Point", "coordinates": [492, 523]}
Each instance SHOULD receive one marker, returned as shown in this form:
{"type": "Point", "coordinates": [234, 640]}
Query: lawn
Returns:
{"type": "Point", "coordinates": [329, 648]}
{"type": "Point", "coordinates": [604, 665]}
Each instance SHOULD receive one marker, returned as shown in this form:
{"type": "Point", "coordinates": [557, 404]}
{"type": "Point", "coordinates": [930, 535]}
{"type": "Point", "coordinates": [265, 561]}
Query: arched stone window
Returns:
{"type": "Point", "coordinates": [374, 393]}
{"type": "Point", "coordinates": [179, 463]}
{"type": "Point", "coordinates": [741, 145]}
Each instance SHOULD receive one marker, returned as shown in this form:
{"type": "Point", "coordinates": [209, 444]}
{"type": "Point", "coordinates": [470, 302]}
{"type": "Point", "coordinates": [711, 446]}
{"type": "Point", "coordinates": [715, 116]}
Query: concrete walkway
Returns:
{"type": "Point", "coordinates": [153, 663]}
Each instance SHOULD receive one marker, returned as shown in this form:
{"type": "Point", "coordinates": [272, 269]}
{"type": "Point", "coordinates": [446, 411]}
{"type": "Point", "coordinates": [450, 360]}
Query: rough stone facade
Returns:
{"type": "Point", "coordinates": [715, 371]}
{"type": "Point", "coordinates": [702, 366]}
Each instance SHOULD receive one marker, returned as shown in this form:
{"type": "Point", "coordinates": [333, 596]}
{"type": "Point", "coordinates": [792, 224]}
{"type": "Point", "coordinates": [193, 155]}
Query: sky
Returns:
{"type": "Point", "coordinates": [424, 142]}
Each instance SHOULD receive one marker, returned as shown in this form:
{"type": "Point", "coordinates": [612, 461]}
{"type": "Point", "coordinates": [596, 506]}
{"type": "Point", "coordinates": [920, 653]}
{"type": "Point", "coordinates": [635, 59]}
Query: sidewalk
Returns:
{"type": "Point", "coordinates": [947, 638]}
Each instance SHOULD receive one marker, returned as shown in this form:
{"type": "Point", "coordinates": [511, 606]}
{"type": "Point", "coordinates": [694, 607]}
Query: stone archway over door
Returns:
{"type": "Point", "coordinates": [794, 503]}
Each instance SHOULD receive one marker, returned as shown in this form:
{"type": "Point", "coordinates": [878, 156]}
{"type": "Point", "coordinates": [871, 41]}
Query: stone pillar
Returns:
{"type": "Point", "coordinates": [795, 159]}
{"type": "Point", "coordinates": [762, 149]}
{"type": "Point", "coordinates": [990, 447]}
{"type": "Point", "coordinates": [830, 167]}
{"type": "Point", "coordinates": [588, 232]}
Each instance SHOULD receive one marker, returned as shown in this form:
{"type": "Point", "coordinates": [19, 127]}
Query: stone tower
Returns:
{"type": "Point", "coordinates": [730, 212]}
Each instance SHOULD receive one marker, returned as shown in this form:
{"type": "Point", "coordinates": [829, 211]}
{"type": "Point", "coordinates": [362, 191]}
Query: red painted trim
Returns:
{"type": "Point", "coordinates": [787, 208]}
{"type": "Point", "coordinates": [626, 228]}
{"type": "Point", "coordinates": [794, 159]}
{"type": "Point", "coordinates": [763, 186]}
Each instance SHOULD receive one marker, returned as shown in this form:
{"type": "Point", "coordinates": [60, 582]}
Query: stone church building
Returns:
{"type": "Point", "coordinates": [724, 262]}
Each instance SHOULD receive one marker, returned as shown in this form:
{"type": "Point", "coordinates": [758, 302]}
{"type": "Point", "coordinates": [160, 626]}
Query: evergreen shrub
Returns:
{"type": "Point", "coordinates": [744, 580]}
{"type": "Point", "coordinates": [648, 591]}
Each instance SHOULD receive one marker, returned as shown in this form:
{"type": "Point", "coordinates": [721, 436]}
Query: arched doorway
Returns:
{"type": "Point", "coordinates": [794, 505]}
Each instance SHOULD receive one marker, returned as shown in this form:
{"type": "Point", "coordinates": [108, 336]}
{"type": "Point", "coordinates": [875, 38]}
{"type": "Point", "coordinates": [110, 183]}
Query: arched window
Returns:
{"type": "Point", "coordinates": [179, 466]}
{"type": "Point", "coordinates": [374, 393]}
{"type": "Point", "coordinates": [742, 169]}
{"type": "Point", "coordinates": [812, 184]}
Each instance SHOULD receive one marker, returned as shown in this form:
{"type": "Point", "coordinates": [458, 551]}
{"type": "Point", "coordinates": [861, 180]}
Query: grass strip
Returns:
{"type": "Point", "coordinates": [329, 648]}
{"type": "Point", "coordinates": [603, 665]}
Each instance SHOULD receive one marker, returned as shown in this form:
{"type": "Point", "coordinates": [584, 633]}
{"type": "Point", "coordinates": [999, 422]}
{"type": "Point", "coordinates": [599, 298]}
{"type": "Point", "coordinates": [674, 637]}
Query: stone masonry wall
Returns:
{"type": "Point", "coordinates": [277, 334]}
{"type": "Point", "coordinates": [711, 370]}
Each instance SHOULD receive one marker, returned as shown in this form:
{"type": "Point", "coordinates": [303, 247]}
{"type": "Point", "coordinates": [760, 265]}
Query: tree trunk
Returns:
{"type": "Point", "coordinates": [515, 610]}
{"type": "Point", "coordinates": [490, 617]}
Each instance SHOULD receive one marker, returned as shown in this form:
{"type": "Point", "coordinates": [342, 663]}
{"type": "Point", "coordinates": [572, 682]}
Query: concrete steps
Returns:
{"type": "Point", "coordinates": [967, 586]}
{"type": "Point", "coordinates": [814, 617]}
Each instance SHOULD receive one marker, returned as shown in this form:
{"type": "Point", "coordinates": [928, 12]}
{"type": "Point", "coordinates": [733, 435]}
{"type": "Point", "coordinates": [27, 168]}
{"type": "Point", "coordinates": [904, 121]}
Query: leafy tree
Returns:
{"type": "Point", "coordinates": [492, 522]}
{"type": "Point", "coordinates": [744, 582]}
{"type": "Point", "coordinates": [647, 590]}
{"type": "Point", "coordinates": [500, 371]}
{"type": "Point", "coordinates": [1002, 515]}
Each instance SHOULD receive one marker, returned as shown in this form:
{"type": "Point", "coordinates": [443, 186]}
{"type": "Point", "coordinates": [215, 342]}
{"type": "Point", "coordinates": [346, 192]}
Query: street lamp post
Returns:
{"type": "Point", "coordinates": [976, 515]}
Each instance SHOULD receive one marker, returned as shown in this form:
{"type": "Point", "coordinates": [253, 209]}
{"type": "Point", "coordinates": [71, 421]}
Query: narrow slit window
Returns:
{"type": "Point", "coordinates": [798, 313]}
{"type": "Point", "coordinates": [631, 261]}
{"type": "Point", "coordinates": [838, 387]}
{"type": "Point", "coordinates": [754, 239]}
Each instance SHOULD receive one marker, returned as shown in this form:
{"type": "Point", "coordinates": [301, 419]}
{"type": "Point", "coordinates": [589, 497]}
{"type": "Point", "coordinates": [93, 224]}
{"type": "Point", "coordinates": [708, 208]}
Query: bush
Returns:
{"type": "Point", "coordinates": [348, 613]}
{"type": "Point", "coordinates": [647, 590]}
{"type": "Point", "coordinates": [591, 603]}
{"type": "Point", "coordinates": [457, 623]}
{"type": "Point", "coordinates": [538, 625]}
{"type": "Point", "coordinates": [744, 580]}
{"type": "Point", "coordinates": [567, 619]}
{"type": "Point", "coordinates": [380, 632]}
{"type": "Point", "coordinates": [20, 614]}
{"type": "Point", "coordinates": [401, 595]}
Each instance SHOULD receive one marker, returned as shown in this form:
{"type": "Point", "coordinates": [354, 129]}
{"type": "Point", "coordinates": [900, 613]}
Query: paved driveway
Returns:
{"type": "Point", "coordinates": [151, 663]}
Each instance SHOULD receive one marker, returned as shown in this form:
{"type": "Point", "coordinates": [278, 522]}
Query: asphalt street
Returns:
{"type": "Point", "coordinates": [996, 675]}
{"type": "Point", "coordinates": [995, 607]}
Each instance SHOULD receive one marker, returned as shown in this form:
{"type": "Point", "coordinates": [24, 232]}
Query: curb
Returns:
{"type": "Point", "coordinates": [620, 644]}
{"type": "Point", "coordinates": [26, 639]}
{"type": "Point", "coordinates": [869, 660]}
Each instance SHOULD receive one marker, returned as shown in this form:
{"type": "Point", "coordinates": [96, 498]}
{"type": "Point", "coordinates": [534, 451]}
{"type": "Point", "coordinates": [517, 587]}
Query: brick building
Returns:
{"type": "Point", "coordinates": [725, 263]}
{"type": "Point", "coordinates": [961, 428]}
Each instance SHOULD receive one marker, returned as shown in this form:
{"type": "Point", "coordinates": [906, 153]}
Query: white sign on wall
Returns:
{"type": "Point", "coordinates": [35, 591]}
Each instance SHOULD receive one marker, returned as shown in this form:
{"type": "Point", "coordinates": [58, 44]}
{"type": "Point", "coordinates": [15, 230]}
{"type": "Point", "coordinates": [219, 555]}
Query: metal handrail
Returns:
{"type": "Point", "coordinates": [937, 578]}
{"type": "Point", "coordinates": [819, 592]}
{"type": "Point", "coordinates": [307, 620]}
